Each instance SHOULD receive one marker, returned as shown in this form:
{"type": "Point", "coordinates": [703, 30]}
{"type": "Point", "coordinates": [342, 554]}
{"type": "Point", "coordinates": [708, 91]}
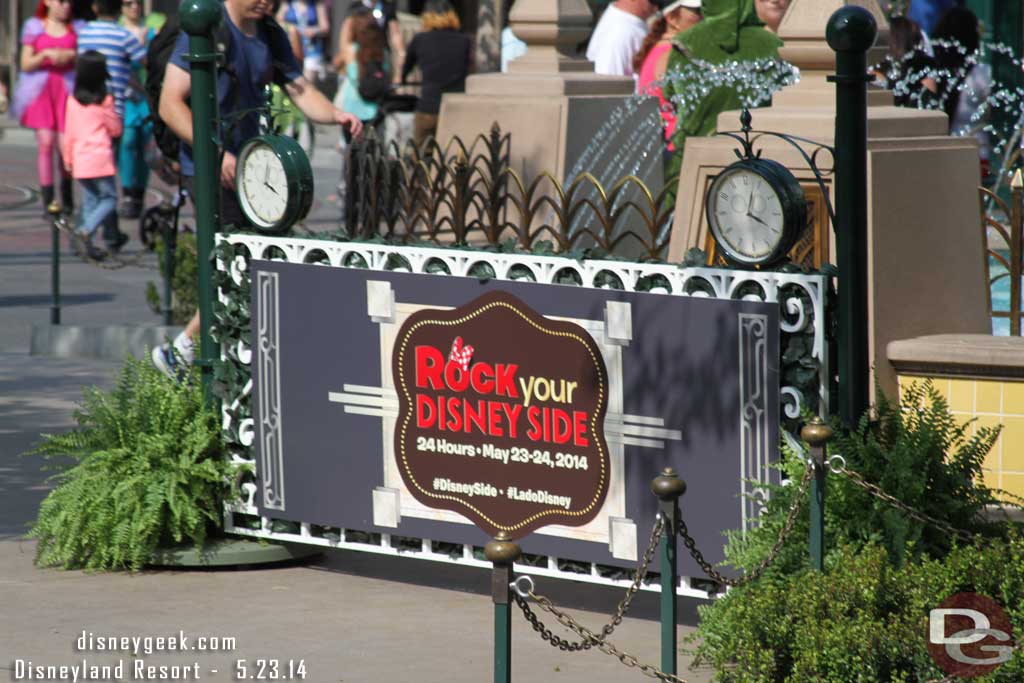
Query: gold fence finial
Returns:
{"type": "Point", "coordinates": [1018, 180]}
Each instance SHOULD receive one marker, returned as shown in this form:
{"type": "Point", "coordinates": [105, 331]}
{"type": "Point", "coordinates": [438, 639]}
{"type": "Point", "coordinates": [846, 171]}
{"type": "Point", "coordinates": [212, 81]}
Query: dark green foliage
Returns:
{"type": "Point", "coordinates": [144, 469]}
{"type": "Point", "coordinates": [861, 620]}
{"type": "Point", "coordinates": [917, 453]}
{"type": "Point", "coordinates": [921, 455]}
{"type": "Point", "coordinates": [184, 284]}
{"type": "Point", "coordinates": [884, 570]}
{"type": "Point", "coordinates": [230, 329]}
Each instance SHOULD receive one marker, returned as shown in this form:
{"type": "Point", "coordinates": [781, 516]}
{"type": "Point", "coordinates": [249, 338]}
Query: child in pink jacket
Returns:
{"type": "Point", "coordinates": [90, 127]}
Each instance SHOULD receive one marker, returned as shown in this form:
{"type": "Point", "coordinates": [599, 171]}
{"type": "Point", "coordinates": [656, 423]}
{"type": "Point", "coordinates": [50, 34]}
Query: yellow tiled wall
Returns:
{"type": "Point", "coordinates": [992, 402]}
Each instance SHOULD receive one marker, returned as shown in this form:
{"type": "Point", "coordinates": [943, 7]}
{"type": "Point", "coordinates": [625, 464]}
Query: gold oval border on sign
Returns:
{"type": "Point", "coordinates": [405, 423]}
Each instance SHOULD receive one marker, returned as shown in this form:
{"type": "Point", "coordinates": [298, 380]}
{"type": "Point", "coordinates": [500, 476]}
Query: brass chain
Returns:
{"type": "Point", "coordinates": [878, 493]}
{"type": "Point", "coordinates": [787, 528]}
{"type": "Point", "coordinates": [589, 637]}
{"type": "Point", "coordinates": [620, 612]}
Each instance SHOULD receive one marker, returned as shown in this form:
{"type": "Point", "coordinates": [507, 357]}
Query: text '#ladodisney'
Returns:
{"type": "Point", "coordinates": [509, 407]}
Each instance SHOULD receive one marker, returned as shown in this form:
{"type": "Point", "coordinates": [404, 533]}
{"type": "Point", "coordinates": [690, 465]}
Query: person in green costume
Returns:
{"type": "Point", "coordinates": [730, 32]}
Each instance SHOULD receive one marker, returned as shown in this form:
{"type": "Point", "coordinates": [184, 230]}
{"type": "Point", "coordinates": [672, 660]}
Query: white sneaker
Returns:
{"type": "Point", "coordinates": [169, 362]}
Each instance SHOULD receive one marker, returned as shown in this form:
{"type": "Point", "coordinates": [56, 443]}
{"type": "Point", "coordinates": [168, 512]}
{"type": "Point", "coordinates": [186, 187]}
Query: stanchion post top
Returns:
{"type": "Point", "coordinates": [53, 208]}
{"type": "Point", "coordinates": [816, 433]}
{"type": "Point", "coordinates": [668, 485]}
{"type": "Point", "coordinates": [199, 17]}
{"type": "Point", "coordinates": [851, 29]}
{"type": "Point", "coordinates": [501, 550]}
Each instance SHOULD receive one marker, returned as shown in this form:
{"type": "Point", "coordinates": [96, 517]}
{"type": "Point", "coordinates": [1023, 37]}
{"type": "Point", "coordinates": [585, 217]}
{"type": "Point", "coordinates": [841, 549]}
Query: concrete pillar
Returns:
{"type": "Point", "coordinates": [562, 117]}
{"type": "Point", "coordinates": [925, 253]}
{"type": "Point", "coordinates": [551, 101]}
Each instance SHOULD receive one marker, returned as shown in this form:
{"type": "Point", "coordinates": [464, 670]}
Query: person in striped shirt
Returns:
{"type": "Point", "coordinates": [124, 54]}
{"type": "Point", "coordinates": [123, 50]}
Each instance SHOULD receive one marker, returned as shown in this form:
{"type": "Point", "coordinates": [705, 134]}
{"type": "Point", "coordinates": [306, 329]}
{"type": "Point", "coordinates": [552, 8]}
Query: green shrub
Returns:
{"type": "Point", "coordinates": [916, 452]}
{"type": "Point", "coordinates": [184, 284]}
{"type": "Point", "coordinates": [862, 620]}
{"type": "Point", "coordinates": [146, 469]}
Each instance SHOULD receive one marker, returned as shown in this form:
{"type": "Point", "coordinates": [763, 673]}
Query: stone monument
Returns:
{"type": "Point", "coordinates": [925, 254]}
{"type": "Point", "coordinates": [551, 101]}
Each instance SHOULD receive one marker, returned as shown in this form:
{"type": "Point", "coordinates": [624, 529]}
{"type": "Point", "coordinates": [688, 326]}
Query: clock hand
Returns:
{"type": "Point", "coordinates": [271, 188]}
{"type": "Point", "coordinates": [750, 204]}
{"type": "Point", "coordinates": [758, 219]}
{"type": "Point", "coordinates": [266, 176]}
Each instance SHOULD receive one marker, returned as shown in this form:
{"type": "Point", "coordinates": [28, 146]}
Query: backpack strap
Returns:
{"type": "Point", "coordinates": [280, 49]}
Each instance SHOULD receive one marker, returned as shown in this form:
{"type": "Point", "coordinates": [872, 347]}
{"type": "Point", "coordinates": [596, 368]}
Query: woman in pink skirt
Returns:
{"type": "Point", "coordinates": [48, 43]}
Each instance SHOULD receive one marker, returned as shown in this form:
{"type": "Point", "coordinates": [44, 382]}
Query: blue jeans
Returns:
{"type": "Point", "coordinates": [99, 202]}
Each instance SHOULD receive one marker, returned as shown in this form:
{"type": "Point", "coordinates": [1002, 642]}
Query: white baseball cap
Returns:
{"type": "Point", "coordinates": [669, 5]}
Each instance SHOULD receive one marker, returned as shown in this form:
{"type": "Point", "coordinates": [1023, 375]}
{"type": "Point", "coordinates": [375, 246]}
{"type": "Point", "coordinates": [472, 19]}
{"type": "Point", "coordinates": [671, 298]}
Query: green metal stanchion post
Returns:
{"type": "Point", "coordinates": [502, 552]}
{"type": "Point", "coordinates": [54, 210]}
{"type": "Point", "coordinates": [851, 32]}
{"type": "Point", "coordinates": [170, 244]}
{"type": "Point", "coordinates": [668, 488]}
{"type": "Point", "coordinates": [198, 19]}
{"type": "Point", "coordinates": [817, 434]}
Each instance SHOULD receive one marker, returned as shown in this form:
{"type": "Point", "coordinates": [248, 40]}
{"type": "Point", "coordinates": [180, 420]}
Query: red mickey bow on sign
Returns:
{"type": "Point", "coordinates": [460, 354]}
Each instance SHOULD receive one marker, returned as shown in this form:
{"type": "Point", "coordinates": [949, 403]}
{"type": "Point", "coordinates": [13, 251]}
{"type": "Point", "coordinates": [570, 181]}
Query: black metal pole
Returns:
{"type": "Point", "coordinates": [54, 209]}
{"type": "Point", "coordinates": [851, 32]}
{"type": "Point", "coordinates": [170, 243]}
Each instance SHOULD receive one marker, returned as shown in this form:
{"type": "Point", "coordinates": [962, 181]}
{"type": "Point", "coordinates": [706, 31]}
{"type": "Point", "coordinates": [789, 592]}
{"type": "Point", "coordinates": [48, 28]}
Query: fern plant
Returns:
{"type": "Point", "coordinates": [146, 469]}
{"type": "Point", "coordinates": [916, 451]}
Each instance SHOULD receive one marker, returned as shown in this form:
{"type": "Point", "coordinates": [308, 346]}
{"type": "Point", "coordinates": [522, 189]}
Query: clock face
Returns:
{"type": "Point", "coordinates": [262, 186]}
{"type": "Point", "coordinates": [746, 215]}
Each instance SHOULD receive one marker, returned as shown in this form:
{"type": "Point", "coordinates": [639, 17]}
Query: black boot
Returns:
{"type": "Point", "coordinates": [46, 193]}
{"type": "Point", "coordinates": [131, 205]}
{"type": "Point", "coordinates": [112, 234]}
{"type": "Point", "coordinates": [67, 196]}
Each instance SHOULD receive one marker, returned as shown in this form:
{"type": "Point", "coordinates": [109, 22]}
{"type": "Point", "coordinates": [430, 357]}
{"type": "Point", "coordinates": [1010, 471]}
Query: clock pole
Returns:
{"type": "Point", "coordinates": [198, 19]}
{"type": "Point", "coordinates": [851, 32]}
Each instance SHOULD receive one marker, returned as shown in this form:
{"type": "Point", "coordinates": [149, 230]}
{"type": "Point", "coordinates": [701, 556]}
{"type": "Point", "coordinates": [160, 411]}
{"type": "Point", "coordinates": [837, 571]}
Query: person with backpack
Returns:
{"type": "Point", "coordinates": [257, 53]}
{"type": "Point", "coordinates": [385, 14]}
{"type": "Point", "coordinates": [444, 56]}
{"type": "Point", "coordinates": [131, 153]}
{"type": "Point", "coordinates": [367, 68]}
{"type": "Point", "coordinates": [92, 125]}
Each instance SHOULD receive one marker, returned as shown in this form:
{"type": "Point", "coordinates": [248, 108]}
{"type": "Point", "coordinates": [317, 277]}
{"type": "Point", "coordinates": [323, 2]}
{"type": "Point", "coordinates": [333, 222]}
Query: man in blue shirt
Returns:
{"type": "Point", "coordinates": [258, 54]}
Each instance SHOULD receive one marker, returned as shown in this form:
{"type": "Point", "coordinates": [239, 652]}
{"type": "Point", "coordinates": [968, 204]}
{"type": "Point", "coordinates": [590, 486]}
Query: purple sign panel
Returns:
{"type": "Point", "coordinates": [452, 409]}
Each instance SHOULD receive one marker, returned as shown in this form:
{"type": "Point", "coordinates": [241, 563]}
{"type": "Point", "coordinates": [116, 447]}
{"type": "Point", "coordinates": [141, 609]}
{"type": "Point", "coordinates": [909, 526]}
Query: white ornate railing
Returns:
{"type": "Point", "coordinates": [802, 299]}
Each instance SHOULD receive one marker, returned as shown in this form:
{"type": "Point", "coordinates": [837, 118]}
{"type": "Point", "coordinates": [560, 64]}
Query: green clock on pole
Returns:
{"type": "Point", "coordinates": [274, 181]}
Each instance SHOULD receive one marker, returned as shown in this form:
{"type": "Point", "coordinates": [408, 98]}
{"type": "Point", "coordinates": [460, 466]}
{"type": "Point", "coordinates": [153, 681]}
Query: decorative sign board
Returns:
{"type": "Point", "coordinates": [508, 431]}
{"type": "Point", "coordinates": [451, 408]}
